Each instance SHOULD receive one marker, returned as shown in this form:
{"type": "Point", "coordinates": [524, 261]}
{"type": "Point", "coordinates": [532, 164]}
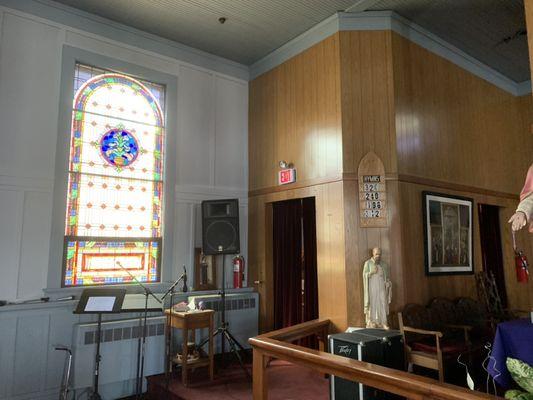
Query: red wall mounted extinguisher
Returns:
{"type": "Point", "coordinates": [521, 264]}
{"type": "Point", "coordinates": [238, 271]}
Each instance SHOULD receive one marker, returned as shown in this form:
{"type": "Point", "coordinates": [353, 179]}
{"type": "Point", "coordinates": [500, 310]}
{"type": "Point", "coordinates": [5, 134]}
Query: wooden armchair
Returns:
{"type": "Point", "coordinates": [423, 358]}
{"type": "Point", "coordinates": [425, 345]}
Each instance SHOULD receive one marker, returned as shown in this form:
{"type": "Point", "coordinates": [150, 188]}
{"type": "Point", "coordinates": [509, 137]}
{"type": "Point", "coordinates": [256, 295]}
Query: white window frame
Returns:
{"type": "Point", "coordinates": [71, 56]}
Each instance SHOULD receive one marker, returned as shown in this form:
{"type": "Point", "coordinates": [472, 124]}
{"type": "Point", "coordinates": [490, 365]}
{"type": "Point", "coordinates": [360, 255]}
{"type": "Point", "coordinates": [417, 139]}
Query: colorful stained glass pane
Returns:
{"type": "Point", "coordinates": [119, 147]}
{"type": "Point", "coordinates": [96, 262]}
{"type": "Point", "coordinates": [115, 178]}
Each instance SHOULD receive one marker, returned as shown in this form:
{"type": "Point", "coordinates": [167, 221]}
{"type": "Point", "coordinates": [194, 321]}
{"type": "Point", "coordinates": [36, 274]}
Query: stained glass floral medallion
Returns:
{"type": "Point", "coordinates": [119, 147]}
{"type": "Point", "coordinates": [115, 179]}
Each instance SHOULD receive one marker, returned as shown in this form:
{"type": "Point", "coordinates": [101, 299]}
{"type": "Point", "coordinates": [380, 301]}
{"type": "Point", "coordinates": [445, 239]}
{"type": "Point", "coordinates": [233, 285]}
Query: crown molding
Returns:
{"type": "Point", "coordinates": [524, 88]}
{"type": "Point", "coordinates": [342, 21]}
{"type": "Point", "coordinates": [431, 42]}
{"type": "Point", "coordinates": [84, 21]}
{"type": "Point", "coordinates": [295, 46]}
{"type": "Point", "coordinates": [387, 20]}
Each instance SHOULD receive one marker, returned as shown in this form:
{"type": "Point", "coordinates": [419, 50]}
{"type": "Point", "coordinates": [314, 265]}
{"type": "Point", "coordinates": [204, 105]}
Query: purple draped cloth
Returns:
{"type": "Point", "coordinates": [513, 339]}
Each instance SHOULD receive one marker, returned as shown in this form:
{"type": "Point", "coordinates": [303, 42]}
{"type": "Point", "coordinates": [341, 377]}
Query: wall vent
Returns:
{"type": "Point", "coordinates": [125, 333]}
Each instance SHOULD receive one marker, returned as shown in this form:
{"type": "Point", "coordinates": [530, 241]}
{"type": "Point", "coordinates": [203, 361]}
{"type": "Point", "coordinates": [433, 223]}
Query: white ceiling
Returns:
{"type": "Point", "coordinates": [253, 28]}
{"type": "Point", "coordinates": [484, 29]}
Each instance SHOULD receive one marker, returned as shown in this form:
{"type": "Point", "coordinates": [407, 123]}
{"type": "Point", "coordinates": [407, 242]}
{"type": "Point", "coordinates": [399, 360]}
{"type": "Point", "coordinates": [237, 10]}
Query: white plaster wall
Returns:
{"type": "Point", "coordinates": [211, 152]}
{"type": "Point", "coordinates": [211, 163]}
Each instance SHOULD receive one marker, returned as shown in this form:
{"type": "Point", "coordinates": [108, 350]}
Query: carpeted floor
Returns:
{"type": "Point", "coordinates": [285, 382]}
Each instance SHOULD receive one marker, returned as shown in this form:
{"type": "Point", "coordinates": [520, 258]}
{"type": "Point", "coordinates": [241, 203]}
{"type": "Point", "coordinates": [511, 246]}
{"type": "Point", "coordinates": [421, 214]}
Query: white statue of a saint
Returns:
{"type": "Point", "coordinates": [377, 290]}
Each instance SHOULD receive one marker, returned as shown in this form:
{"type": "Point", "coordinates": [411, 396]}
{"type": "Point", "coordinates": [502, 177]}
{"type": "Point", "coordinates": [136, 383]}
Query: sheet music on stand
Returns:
{"type": "Point", "coordinates": [101, 301]}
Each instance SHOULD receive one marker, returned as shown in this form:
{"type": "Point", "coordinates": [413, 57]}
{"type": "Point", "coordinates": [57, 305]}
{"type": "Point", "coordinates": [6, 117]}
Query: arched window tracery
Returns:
{"type": "Point", "coordinates": [115, 180]}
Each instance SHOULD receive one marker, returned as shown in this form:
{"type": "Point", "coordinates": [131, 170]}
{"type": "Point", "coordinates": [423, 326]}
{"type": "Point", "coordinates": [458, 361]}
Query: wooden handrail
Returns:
{"type": "Point", "coordinates": [299, 331]}
{"type": "Point", "coordinates": [274, 344]}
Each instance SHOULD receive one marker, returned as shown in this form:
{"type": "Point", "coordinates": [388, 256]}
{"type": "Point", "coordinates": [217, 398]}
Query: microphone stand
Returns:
{"type": "Point", "coordinates": [141, 344]}
{"type": "Point", "coordinates": [168, 347]}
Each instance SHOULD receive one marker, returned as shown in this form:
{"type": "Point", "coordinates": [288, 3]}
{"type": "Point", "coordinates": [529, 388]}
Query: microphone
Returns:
{"type": "Point", "coordinates": [185, 289]}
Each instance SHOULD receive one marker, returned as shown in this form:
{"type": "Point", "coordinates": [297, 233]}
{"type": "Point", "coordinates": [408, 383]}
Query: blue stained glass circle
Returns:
{"type": "Point", "coordinates": [119, 147]}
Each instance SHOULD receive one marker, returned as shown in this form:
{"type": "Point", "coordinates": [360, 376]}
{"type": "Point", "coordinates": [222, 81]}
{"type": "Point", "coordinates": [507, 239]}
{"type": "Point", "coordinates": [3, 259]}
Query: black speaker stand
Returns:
{"type": "Point", "coordinates": [223, 329]}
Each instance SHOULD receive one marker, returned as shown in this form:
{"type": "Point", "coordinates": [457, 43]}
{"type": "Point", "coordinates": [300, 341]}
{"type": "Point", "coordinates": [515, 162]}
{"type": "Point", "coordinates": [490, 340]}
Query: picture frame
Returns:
{"type": "Point", "coordinates": [448, 234]}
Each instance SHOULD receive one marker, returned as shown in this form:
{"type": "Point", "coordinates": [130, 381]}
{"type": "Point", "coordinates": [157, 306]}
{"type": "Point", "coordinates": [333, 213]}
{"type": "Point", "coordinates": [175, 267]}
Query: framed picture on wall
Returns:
{"type": "Point", "coordinates": [448, 234]}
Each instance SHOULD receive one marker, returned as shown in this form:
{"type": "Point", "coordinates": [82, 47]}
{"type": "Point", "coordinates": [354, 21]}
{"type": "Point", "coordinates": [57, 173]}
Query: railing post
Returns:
{"type": "Point", "coordinates": [323, 339]}
{"type": "Point", "coordinates": [260, 390]}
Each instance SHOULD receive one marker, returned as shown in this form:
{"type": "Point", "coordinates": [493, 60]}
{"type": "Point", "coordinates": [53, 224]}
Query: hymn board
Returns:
{"type": "Point", "coordinates": [372, 192]}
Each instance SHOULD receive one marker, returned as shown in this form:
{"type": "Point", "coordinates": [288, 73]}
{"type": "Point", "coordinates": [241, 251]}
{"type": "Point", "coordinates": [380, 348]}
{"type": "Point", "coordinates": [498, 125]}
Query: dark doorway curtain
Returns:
{"type": "Point", "coordinates": [310, 309]}
{"type": "Point", "coordinates": [295, 263]}
{"type": "Point", "coordinates": [491, 246]}
{"type": "Point", "coordinates": [287, 243]}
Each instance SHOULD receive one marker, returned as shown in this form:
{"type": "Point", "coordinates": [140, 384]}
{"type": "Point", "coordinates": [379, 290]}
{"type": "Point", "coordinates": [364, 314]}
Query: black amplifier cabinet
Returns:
{"type": "Point", "coordinates": [376, 346]}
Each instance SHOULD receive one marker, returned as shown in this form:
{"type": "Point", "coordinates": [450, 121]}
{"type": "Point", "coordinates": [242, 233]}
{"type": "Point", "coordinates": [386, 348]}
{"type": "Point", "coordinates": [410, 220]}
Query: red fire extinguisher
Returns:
{"type": "Point", "coordinates": [521, 264]}
{"type": "Point", "coordinates": [238, 271]}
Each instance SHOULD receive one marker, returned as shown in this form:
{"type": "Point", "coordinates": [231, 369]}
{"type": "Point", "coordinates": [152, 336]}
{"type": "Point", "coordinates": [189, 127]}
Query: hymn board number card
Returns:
{"type": "Point", "coordinates": [372, 192]}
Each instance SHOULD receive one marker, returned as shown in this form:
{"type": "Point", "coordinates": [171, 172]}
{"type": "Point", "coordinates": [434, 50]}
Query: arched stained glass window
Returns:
{"type": "Point", "coordinates": [115, 187]}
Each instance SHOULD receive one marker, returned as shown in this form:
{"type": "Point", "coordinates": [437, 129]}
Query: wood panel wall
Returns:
{"type": "Point", "coordinates": [435, 126]}
{"type": "Point", "coordinates": [420, 288]}
{"type": "Point", "coordinates": [529, 21]}
{"type": "Point", "coordinates": [456, 131]}
{"type": "Point", "coordinates": [330, 250]}
{"type": "Point", "coordinates": [367, 90]}
{"type": "Point", "coordinates": [295, 116]}
{"type": "Point", "coordinates": [455, 127]}
{"type": "Point", "coordinates": [359, 244]}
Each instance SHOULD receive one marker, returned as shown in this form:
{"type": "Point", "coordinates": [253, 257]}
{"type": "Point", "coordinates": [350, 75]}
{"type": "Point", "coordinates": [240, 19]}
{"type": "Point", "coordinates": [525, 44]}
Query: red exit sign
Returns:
{"type": "Point", "coordinates": [286, 176]}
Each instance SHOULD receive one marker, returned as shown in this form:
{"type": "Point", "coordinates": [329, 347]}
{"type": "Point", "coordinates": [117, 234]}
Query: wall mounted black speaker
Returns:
{"type": "Point", "coordinates": [220, 227]}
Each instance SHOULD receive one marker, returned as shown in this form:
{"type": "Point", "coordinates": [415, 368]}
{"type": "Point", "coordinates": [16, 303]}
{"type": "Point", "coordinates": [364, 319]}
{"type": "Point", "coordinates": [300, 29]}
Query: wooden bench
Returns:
{"type": "Point", "coordinates": [442, 331]}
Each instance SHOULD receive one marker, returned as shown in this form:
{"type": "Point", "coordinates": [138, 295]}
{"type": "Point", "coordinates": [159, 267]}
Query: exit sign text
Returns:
{"type": "Point", "coordinates": [286, 176]}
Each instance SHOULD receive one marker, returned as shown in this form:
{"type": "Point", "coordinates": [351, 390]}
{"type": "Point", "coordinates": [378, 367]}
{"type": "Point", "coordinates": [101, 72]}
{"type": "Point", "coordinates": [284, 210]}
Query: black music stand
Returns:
{"type": "Point", "coordinates": [99, 301]}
